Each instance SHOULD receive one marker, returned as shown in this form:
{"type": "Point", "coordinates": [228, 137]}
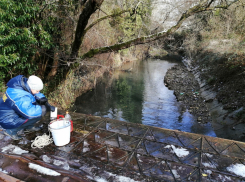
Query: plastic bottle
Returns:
{"type": "Point", "coordinates": [68, 118]}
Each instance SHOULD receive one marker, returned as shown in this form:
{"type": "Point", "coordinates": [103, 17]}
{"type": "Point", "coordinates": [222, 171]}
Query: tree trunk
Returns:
{"type": "Point", "coordinates": [90, 7]}
{"type": "Point", "coordinates": [55, 65]}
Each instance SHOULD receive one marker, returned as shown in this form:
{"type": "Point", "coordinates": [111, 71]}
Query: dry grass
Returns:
{"type": "Point", "coordinates": [220, 31]}
{"type": "Point", "coordinates": [67, 92]}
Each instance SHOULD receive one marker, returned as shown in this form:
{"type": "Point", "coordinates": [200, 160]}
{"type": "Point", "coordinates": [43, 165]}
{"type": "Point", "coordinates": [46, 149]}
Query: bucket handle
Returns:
{"type": "Point", "coordinates": [58, 116]}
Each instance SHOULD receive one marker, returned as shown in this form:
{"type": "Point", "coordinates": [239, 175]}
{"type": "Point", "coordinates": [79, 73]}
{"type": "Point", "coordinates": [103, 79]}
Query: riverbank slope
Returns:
{"type": "Point", "coordinates": [201, 100]}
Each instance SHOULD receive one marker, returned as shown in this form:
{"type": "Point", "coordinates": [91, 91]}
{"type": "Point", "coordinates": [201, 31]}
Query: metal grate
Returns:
{"type": "Point", "coordinates": [159, 154]}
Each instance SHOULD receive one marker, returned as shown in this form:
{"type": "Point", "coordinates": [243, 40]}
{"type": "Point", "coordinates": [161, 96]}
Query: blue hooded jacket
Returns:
{"type": "Point", "coordinates": [18, 103]}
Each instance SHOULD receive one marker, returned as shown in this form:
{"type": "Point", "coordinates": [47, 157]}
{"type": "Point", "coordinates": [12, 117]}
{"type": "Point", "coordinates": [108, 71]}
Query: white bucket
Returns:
{"type": "Point", "coordinates": [61, 131]}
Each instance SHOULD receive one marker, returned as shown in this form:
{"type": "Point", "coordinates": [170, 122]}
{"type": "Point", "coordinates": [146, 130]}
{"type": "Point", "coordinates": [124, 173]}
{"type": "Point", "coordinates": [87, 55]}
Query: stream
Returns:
{"type": "Point", "coordinates": [136, 93]}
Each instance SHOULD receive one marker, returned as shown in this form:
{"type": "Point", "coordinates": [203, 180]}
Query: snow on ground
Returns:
{"type": "Point", "coordinates": [47, 159]}
{"type": "Point", "coordinates": [85, 146]}
{"type": "Point", "coordinates": [224, 178]}
{"type": "Point", "coordinates": [12, 149]}
{"type": "Point", "coordinates": [43, 170]}
{"type": "Point", "coordinates": [115, 177]}
{"type": "Point", "coordinates": [103, 177]}
{"type": "Point", "coordinates": [176, 175]}
{"type": "Point", "coordinates": [208, 164]}
{"type": "Point", "coordinates": [180, 152]}
{"type": "Point", "coordinates": [208, 155]}
{"type": "Point", "coordinates": [238, 169]}
{"type": "Point", "coordinates": [3, 171]}
{"type": "Point", "coordinates": [56, 162]}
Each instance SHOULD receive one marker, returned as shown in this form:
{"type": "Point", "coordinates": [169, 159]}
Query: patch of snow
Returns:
{"type": "Point", "coordinates": [62, 164]}
{"type": "Point", "coordinates": [87, 169]}
{"type": "Point", "coordinates": [102, 158]}
{"type": "Point", "coordinates": [208, 155]}
{"type": "Point", "coordinates": [180, 152]}
{"type": "Point", "coordinates": [149, 137]}
{"type": "Point", "coordinates": [46, 159]}
{"type": "Point", "coordinates": [85, 144]}
{"type": "Point", "coordinates": [228, 178]}
{"type": "Point", "coordinates": [208, 165]}
{"type": "Point", "coordinates": [90, 177]}
{"type": "Point", "coordinates": [176, 175]}
{"type": "Point", "coordinates": [121, 178]}
{"type": "Point", "coordinates": [43, 170]}
{"type": "Point", "coordinates": [98, 179]}
{"type": "Point", "coordinates": [106, 175]}
{"type": "Point", "coordinates": [24, 141]}
{"type": "Point", "coordinates": [58, 162]}
{"type": "Point", "coordinates": [86, 149]}
{"type": "Point", "coordinates": [224, 178]}
{"type": "Point", "coordinates": [238, 169]}
{"type": "Point", "coordinates": [12, 149]}
{"type": "Point", "coordinates": [208, 171]}
{"type": "Point", "coordinates": [139, 158]}
{"type": "Point", "coordinates": [3, 171]}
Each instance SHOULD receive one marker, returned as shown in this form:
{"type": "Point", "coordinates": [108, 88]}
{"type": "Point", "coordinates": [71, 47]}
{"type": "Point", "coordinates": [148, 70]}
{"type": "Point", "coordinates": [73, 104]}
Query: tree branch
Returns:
{"type": "Point", "coordinates": [105, 17]}
{"type": "Point", "coordinates": [89, 8]}
{"type": "Point", "coordinates": [205, 6]}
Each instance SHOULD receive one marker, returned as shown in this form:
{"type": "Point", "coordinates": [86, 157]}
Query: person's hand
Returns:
{"type": "Point", "coordinates": [42, 101]}
{"type": "Point", "coordinates": [49, 107]}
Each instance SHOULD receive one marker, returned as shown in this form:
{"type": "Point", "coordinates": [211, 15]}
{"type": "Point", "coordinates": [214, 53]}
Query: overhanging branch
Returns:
{"type": "Point", "coordinates": [104, 18]}
{"type": "Point", "coordinates": [204, 6]}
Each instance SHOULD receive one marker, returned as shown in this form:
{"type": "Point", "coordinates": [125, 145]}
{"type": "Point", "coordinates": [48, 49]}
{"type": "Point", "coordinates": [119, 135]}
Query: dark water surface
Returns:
{"type": "Point", "coordinates": [140, 96]}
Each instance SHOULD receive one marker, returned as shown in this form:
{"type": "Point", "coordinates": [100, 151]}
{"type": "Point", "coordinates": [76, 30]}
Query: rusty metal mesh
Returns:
{"type": "Point", "coordinates": [153, 152]}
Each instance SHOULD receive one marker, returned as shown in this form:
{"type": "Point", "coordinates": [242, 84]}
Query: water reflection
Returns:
{"type": "Point", "coordinates": [140, 96]}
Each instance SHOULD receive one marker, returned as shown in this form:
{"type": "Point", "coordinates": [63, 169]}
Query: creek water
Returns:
{"type": "Point", "coordinates": [136, 93]}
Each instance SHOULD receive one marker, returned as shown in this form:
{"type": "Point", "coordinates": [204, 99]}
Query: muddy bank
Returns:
{"type": "Point", "coordinates": [200, 99]}
{"type": "Point", "coordinates": [187, 91]}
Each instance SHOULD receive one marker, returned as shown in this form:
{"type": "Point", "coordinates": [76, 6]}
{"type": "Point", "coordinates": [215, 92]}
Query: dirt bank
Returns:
{"type": "Point", "coordinates": [201, 100]}
{"type": "Point", "coordinates": [187, 91]}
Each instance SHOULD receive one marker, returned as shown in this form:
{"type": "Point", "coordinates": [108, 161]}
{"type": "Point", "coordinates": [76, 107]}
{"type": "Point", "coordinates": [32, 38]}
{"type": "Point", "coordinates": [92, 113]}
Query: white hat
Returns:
{"type": "Point", "coordinates": [35, 83]}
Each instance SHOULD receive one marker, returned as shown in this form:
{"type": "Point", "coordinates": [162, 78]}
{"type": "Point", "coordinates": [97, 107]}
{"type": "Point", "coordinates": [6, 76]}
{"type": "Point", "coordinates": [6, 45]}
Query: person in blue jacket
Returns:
{"type": "Point", "coordinates": [22, 105]}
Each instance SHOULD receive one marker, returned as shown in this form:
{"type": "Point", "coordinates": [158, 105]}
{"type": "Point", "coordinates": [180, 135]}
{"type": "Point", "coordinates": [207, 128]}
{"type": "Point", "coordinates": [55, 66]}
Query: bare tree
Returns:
{"type": "Point", "coordinates": [89, 7]}
{"type": "Point", "coordinates": [201, 7]}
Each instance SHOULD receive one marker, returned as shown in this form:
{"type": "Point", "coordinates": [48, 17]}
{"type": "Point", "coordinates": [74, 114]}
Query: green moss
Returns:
{"type": "Point", "coordinates": [217, 12]}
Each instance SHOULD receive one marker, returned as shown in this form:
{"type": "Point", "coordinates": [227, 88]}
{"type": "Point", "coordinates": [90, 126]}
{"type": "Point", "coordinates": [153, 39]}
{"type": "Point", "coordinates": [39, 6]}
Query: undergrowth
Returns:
{"type": "Point", "coordinates": [75, 85]}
